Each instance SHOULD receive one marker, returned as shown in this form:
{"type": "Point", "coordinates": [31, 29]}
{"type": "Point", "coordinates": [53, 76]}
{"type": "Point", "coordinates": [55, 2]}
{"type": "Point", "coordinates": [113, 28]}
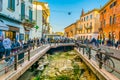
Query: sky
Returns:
{"type": "Point", "coordinates": [59, 9]}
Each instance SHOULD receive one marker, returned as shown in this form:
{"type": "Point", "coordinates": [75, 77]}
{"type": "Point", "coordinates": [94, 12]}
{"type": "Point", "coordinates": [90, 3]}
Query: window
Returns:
{"type": "Point", "coordinates": [87, 24]}
{"type": "Point", "coordinates": [30, 14]}
{"type": "Point", "coordinates": [114, 19]}
{"type": "Point", "coordinates": [105, 11]}
{"type": "Point", "coordinates": [22, 10]}
{"type": "Point", "coordinates": [101, 24]}
{"type": "Point", "coordinates": [17, 2]}
{"type": "Point", "coordinates": [0, 5]}
{"type": "Point", "coordinates": [84, 18]}
{"type": "Point", "coordinates": [113, 4]}
{"type": "Point", "coordinates": [110, 20]}
{"type": "Point", "coordinates": [31, 1]}
{"type": "Point", "coordinates": [104, 23]}
{"type": "Point", "coordinates": [87, 18]}
{"type": "Point", "coordinates": [90, 23]}
{"type": "Point", "coordinates": [11, 5]}
{"type": "Point", "coordinates": [91, 16]}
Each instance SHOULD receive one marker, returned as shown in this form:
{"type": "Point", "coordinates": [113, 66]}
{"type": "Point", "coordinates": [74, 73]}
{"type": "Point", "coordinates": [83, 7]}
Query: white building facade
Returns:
{"type": "Point", "coordinates": [42, 20]}
{"type": "Point", "coordinates": [12, 14]}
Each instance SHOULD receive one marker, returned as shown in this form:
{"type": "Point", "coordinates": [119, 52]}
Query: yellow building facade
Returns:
{"type": "Point", "coordinates": [88, 25]}
{"type": "Point", "coordinates": [43, 12]}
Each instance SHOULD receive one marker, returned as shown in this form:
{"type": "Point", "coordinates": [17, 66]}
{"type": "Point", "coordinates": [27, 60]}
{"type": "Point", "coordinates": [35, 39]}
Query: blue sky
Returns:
{"type": "Point", "coordinates": [59, 18]}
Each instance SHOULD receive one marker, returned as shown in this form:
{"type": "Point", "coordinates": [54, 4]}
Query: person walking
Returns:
{"type": "Point", "coordinates": [7, 46]}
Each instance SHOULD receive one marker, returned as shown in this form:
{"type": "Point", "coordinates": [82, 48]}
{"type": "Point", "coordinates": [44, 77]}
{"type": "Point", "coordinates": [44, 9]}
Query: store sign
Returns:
{"type": "Point", "coordinates": [14, 29]}
{"type": "Point", "coordinates": [0, 5]}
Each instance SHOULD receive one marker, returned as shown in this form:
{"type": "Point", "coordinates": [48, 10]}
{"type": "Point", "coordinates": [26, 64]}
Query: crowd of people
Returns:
{"type": "Point", "coordinates": [110, 43]}
{"type": "Point", "coordinates": [9, 47]}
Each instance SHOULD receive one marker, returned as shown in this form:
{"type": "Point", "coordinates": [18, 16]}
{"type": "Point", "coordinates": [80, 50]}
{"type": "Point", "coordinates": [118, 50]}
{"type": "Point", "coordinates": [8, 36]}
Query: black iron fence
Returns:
{"type": "Point", "coordinates": [103, 57]}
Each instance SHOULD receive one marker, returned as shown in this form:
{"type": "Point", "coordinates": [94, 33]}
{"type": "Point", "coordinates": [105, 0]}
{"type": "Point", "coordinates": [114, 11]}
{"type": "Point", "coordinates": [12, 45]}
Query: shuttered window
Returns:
{"type": "Point", "coordinates": [11, 5]}
{"type": "Point", "coordinates": [30, 14]}
{"type": "Point", "coordinates": [22, 11]}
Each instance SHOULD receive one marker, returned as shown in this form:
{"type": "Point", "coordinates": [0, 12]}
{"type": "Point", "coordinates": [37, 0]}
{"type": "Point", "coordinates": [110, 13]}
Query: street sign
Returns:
{"type": "Point", "coordinates": [36, 27]}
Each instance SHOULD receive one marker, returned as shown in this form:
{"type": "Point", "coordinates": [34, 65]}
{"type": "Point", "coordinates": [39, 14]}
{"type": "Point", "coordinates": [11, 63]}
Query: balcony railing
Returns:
{"type": "Point", "coordinates": [28, 23]}
{"type": "Point", "coordinates": [88, 27]}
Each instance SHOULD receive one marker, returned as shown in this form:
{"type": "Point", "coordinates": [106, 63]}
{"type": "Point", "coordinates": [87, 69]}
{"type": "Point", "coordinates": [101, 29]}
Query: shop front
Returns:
{"type": "Point", "coordinates": [12, 33]}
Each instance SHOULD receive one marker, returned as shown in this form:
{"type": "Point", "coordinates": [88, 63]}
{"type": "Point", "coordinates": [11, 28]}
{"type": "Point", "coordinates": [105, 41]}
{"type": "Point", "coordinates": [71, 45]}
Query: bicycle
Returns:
{"type": "Point", "coordinates": [107, 61]}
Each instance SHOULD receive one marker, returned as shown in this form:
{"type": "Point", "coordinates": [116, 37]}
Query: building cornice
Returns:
{"type": "Point", "coordinates": [70, 25]}
{"type": "Point", "coordinates": [10, 18]}
{"type": "Point", "coordinates": [43, 4]}
{"type": "Point", "coordinates": [90, 12]}
{"type": "Point", "coordinates": [109, 2]}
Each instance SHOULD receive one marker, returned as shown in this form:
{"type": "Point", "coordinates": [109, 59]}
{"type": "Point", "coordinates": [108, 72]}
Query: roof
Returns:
{"type": "Point", "coordinates": [91, 11]}
{"type": "Point", "coordinates": [109, 2]}
{"type": "Point", "coordinates": [70, 25]}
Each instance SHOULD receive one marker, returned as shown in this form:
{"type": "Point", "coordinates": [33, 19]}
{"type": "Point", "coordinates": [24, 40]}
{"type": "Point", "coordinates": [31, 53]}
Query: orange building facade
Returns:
{"type": "Point", "coordinates": [70, 31]}
{"type": "Point", "coordinates": [110, 21]}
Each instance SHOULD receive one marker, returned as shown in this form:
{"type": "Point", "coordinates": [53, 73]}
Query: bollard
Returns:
{"type": "Point", "coordinates": [29, 55]}
{"type": "Point", "coordinates": [100, 61]}
{"type": "Point", "coordinates": [15, 64]}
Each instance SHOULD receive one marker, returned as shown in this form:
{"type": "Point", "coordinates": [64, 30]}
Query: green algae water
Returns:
{"type": "Point", "coordinates": [61, 66]}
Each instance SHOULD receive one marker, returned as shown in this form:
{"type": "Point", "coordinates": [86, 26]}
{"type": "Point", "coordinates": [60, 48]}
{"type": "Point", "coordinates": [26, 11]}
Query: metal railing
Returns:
{"type": "Point", "coordinates": [26, 55]}
{"type": "Point", "coordinates": [13, 60]}
{"type": "Point", "coordinates": [104, 59]}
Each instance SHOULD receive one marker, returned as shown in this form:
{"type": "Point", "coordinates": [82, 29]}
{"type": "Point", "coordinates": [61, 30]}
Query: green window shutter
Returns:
{"type": "Point", "coordinates": [9, 3]}
{"type": "Point", "coordinates": [22, 10]}
{"type": "Point", "coordinates": [13, 5]}
{"type": "Point", "coordinates": [30, 14]}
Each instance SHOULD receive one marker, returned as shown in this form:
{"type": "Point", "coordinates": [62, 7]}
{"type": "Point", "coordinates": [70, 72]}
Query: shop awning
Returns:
{"type": "Point", "coordinates": [3, 26]}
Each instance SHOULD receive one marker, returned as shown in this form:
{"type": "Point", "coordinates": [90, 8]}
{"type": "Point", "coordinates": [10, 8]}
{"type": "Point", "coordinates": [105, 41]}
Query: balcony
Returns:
{"type": "Point", "coordinates": [27, 22]}
{"type": "Point", "coordinates": [88, 27]}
